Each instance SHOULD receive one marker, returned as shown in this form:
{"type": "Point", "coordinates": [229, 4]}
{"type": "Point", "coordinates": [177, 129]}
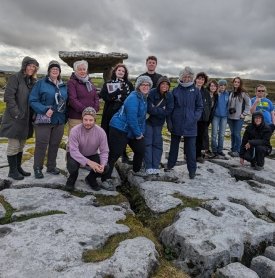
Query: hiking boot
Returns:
{"type": "Point", "coordinates": [94, 186]}
{"type": "Point", "coordinates": [221, 153]}
{"type": "Point", "coordinates": [200, 159]}
{"type": "Point", "coordinates": [234, 154]}
{"type": "Point", "coordinates": [38, 173]}
{"type": "Point", "coordinates": [258, 168]}
{"type": "Point", "coordinates": [192, 176]}
{"type": "Point", "coordinates": [140, 173]}
{"type": "Point", "coordinates": [108, 185]}
{"type": "Point", "coordinates": [53, 171]}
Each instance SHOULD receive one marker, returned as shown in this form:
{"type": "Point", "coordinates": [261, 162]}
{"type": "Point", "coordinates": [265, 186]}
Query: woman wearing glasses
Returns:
{"type": "Point", "coordinates": [48, 99]}
{"type": "Point", "coordinates": [261, 103]}
{"type": "Point", "coordinates": [127, 126]}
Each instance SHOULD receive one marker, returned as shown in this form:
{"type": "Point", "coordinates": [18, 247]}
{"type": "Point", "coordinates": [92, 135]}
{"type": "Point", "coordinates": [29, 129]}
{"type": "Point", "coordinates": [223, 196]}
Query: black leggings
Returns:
{"type": "Point", "coordinates": [118, 141]}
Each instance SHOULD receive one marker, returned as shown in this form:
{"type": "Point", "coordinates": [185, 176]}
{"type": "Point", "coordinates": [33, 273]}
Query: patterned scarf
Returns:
{"type": "Point", "coordinates": [86, 81]}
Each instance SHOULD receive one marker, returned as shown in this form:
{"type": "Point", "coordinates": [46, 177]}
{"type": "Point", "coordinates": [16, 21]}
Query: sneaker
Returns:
{"type": "Point", "coordinates": [156, 171]}
{"type": "Point", "coordinates": [108, 185]}
{"type": "Point", "coordinates": [200, 159]}
{"type": "Point", "coordinates": [54, 171]}
{"type": "Point", "coordinates": [192, 176]}
{"type": "Point", "coordinates": [140, 173]}
{"type": "Point", "coordinates": [95, 186]}
{"type": "Point", "coordinates": [221, 153]}
{"type": "Point", "coordinates": [150, 171]}
{"type": "Point", "coordinates": [258, 168]}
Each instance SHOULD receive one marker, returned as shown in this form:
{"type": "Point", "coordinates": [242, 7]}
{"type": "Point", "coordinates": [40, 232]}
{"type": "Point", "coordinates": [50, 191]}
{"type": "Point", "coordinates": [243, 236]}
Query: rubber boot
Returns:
{"type": "Point", "coordinates": [13, 172]}
{"type": "Point", "coordinates": [19, 168]}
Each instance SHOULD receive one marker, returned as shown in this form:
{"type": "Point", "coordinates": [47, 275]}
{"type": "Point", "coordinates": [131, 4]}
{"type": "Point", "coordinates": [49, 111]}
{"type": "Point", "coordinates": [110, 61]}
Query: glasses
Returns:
{"type": "Point", "coordinates": [145, 85]}
{"type": "Point", "coordinates": [261, 91]}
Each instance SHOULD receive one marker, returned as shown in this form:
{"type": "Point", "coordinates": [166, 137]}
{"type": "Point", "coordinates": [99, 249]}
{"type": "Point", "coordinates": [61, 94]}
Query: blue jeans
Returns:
{"type": "Point", "coordinates": [218, 131]}
{"type": "Point", "coordinates": [189, 149]}
{"type": "Point", "coordinates": [153, 146]}
{"type": "Point", "coordinates": [236, 138]}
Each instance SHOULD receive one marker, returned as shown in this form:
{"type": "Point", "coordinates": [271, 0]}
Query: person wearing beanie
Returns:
{"type": "Point", "coordinates": [127, 126]}
{"type": "Point", "coordinates": [183, 120]}
{"type": "Point", "coordinates": [114, 92]}
{"type": "Point", "coordinates": [81, 93]}
{"type": "Point", "coordinates": [219, 121]}
{"type": "Point", "coordinates": [16, 122]}
{"type": "Point", "coordinates": [48, 100]}
{"type": "Point", "coordinates": [256, 142]}
{"type": "Point", "coordinates": [151, 64]}
{"type": "Point", "coordinates": [87, 146]}
{"type": "Point", "coordinates": [160, 104]}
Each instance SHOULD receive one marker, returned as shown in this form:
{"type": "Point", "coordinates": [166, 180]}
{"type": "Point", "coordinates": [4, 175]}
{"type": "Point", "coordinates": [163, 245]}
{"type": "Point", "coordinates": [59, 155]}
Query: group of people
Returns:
{"type": "Point", "coordinates": [132, 115]}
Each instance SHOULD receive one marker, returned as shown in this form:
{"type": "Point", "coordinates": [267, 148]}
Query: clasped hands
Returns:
{"type": "Point", "coordinates": [96, 167]}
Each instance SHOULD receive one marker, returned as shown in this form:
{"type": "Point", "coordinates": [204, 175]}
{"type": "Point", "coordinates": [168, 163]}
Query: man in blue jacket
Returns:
{"type": "Point", "coordinates": [187, 111]}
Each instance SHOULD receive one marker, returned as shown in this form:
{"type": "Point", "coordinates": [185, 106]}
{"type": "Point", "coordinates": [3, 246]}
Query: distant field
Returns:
{"type": "Point", "coordinates": [249, 84]}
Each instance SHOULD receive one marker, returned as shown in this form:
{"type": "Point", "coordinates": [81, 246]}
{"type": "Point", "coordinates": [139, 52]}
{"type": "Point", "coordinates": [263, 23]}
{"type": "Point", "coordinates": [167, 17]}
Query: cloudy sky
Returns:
{"type": "Point", "coordinates": [223, 38]}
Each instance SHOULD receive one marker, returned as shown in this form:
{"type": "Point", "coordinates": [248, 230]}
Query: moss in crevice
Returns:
{"type": "Point", "coordinates": [9, 211]}
{"type": "Point", "coordinates": [35, 215]}
{"type": "Point", "coordinates": [136, 229]}
{"type": "Point", "coordinates": [9, 218]}
{"type": "Point", "coordinates": [105, 200]}
{"type": "Point", "coordinates": [156, 221]}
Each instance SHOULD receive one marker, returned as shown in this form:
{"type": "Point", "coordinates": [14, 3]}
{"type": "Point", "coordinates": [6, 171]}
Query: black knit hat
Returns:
{"type": "Point", "coordinates": [53, 64]}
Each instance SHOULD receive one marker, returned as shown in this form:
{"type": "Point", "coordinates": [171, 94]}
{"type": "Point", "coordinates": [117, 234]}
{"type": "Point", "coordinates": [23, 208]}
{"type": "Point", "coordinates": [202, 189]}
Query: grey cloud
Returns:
{"type": "Point", "coordinates": [220, 37]}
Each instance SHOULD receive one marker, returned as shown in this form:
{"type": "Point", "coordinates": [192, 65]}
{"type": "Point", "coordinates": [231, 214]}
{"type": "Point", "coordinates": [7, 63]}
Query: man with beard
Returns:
{"type": "Point", "coordinates": [88, 146]}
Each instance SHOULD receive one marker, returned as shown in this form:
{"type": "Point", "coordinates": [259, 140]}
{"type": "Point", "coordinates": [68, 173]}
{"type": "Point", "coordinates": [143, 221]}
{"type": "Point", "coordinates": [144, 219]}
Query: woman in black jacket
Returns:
{"type": "Point", "coordinates": [114, 92]}
{"type": "Point", "coordinates": [202, 125]}
{"type": "Point", "coordinates": [256, 142]}
{"type": "Point", "coordinates": [17, 119]}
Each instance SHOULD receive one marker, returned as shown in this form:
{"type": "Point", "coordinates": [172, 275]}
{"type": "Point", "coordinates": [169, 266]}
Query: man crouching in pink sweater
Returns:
{"type": "Point", "coordinates": [88, 146]}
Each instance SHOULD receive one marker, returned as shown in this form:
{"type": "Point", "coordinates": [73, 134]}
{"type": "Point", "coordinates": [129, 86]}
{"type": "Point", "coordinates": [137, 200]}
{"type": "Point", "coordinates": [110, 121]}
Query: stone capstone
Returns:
{"type": "Point", "coordinates": [98, 62]}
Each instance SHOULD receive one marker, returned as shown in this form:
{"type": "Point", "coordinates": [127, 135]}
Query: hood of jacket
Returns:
{"type": "Point", "coordinates": [27, 61]}
{"type": "Point", "coordinates": [258, 114]}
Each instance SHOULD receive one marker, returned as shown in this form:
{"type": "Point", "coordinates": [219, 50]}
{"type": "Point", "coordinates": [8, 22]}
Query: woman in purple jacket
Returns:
{"type": "Point", "coordinates": [82, 93]}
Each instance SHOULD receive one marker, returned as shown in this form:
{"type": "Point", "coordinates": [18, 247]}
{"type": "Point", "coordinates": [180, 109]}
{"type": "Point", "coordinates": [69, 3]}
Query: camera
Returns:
{"type": "Point", "coordinates": [232, 110]}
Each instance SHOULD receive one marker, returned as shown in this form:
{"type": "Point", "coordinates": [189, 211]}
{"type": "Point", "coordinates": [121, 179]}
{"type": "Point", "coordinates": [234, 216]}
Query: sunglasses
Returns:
{"type": "Point", "coordinates": [261, 91]}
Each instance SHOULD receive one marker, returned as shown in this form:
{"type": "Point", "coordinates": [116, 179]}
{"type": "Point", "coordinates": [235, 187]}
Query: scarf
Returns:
{"type": "Point", "coordinates": [185, 85]}
{"type": "Point", "coordinates": [86, 81]}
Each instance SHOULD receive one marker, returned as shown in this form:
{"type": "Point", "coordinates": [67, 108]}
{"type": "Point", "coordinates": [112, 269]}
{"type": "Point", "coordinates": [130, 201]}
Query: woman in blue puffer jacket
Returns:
{"type": "Point", "coordinates": [127, 126]}
{"type": "Point", "coordinates": [48, 98]}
